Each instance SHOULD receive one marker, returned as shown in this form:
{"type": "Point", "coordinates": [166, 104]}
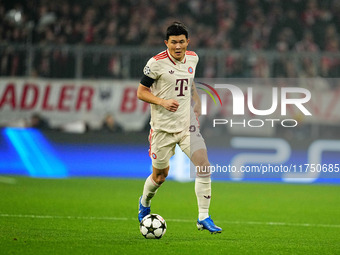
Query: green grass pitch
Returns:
{"type": "Point", "coordinates": [98, 216]}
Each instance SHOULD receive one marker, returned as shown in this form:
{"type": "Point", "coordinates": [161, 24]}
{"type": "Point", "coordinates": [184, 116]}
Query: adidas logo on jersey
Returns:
{"type": "Point", "coordinates": [171, 71]}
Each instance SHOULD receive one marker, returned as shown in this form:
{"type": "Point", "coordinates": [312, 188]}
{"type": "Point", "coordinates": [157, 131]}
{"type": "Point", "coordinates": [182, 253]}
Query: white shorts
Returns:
{"type": "Point", "coordinates": [163, 144]}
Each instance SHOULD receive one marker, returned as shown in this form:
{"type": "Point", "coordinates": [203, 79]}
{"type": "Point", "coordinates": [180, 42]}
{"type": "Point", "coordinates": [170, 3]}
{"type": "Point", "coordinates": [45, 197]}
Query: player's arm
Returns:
{"type": "Point", "coordinates": [197, 100]}
{"type": "Point", "coordinates": [144, 93]}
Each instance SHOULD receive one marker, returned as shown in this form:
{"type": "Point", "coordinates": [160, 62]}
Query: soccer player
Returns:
{"type": "Point", "coordinates": [168, 86]}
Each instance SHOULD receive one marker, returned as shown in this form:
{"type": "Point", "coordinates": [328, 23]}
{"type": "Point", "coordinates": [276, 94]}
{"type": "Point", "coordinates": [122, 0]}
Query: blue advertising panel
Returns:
{"type": "Point", "coordinates": [31, 152]}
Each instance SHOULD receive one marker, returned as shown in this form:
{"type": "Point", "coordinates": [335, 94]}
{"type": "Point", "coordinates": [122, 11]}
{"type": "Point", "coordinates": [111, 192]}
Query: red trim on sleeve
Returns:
{"type": "Point", "coordinates": [161, 55]}
{"type": "Point", "coordinates": [191, 53]}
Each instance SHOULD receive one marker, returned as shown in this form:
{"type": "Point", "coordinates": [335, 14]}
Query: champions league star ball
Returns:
{"type": "Point", "coordinates": [153, 226]}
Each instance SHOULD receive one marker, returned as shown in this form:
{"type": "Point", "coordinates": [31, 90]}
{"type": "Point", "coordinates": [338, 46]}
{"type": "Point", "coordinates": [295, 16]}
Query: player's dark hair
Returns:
{"type": "Point", "coordinates": [176, 28]}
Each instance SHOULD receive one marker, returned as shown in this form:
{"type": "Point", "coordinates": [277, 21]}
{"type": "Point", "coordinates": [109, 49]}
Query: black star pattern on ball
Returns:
{"type": "Point", "coordinates": [151, 228]}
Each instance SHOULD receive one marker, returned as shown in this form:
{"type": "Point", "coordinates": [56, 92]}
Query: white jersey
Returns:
{"type": "Point", "coordinates": [172, 80]}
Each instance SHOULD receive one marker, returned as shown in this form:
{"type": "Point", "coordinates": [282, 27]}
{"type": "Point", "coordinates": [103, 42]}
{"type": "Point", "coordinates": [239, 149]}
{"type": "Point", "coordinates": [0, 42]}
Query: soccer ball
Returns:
{"type": "Point", "coordinates": [153, 226]}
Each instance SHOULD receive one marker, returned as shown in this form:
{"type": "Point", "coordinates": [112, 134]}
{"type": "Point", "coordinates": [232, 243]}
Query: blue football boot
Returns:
{"type": "Point", "coordinates": [209, 225]}
{"type": "Point", "coordinates": [142, 210]}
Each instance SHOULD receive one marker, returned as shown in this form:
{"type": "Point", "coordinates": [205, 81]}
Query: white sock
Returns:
{"type": "Point", "coordinates": [203, 194]}
{"type": "Point", "coordinates": [150, 189]}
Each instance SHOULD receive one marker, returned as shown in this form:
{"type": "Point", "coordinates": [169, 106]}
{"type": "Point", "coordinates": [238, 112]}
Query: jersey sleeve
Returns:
{"type": "Point", "coordinates": [152, 69]}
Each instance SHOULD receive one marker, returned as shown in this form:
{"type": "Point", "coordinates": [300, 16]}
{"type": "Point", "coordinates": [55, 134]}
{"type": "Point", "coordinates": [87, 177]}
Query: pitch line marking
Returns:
{"type": "Point", "coordinates": [4, 215]}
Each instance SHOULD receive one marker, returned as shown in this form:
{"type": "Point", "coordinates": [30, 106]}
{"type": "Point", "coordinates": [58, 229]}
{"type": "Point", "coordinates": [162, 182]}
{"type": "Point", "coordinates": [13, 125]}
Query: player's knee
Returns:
{"type": "Point", "coordinates": [159, 175]}
{"type": "Point", "coordinates": [160, 178]}
{"type": "Point", "coordinates": [203, 163]}
{"type": "Point", "coordinates": [203, 168]}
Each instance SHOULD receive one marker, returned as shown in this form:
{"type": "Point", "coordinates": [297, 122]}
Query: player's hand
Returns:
{"type": "Point", "coordinates": [197, 110]}
{"type": "Point", "coordinates": [170, 104]}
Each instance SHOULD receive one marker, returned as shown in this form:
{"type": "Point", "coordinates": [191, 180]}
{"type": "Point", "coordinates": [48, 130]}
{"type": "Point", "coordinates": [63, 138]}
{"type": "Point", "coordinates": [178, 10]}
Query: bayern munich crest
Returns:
{"type": "Point", "coordinates": [190, 70]}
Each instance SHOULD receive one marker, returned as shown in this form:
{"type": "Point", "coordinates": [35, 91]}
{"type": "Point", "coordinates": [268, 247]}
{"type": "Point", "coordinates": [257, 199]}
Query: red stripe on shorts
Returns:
{"type": "Point", "coordinates": [150, 136]}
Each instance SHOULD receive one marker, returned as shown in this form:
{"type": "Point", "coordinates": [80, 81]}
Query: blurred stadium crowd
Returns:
{"type": "Point", "coordinates": [310, 26]}
{"type": "Point", "coordinates": [114, 38]}
{"type": "Point", "coordinates": [302, 25]}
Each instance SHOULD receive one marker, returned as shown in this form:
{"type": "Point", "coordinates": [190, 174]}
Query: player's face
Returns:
{"type": "Point", "coordinates": [177, 45]}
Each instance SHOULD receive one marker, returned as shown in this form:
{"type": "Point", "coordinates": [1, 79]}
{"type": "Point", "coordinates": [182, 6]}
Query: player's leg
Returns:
{"type": "Point", "coordinates": [162, 148]}
{"type": "Point", "coordinates": [202, 182]}
{"type": "Point", "coordinates": [151, 185]}
{"type": "Point", "coordinates": [203, 191]}
{"type": "Point", "coordinates": [194, 147]}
